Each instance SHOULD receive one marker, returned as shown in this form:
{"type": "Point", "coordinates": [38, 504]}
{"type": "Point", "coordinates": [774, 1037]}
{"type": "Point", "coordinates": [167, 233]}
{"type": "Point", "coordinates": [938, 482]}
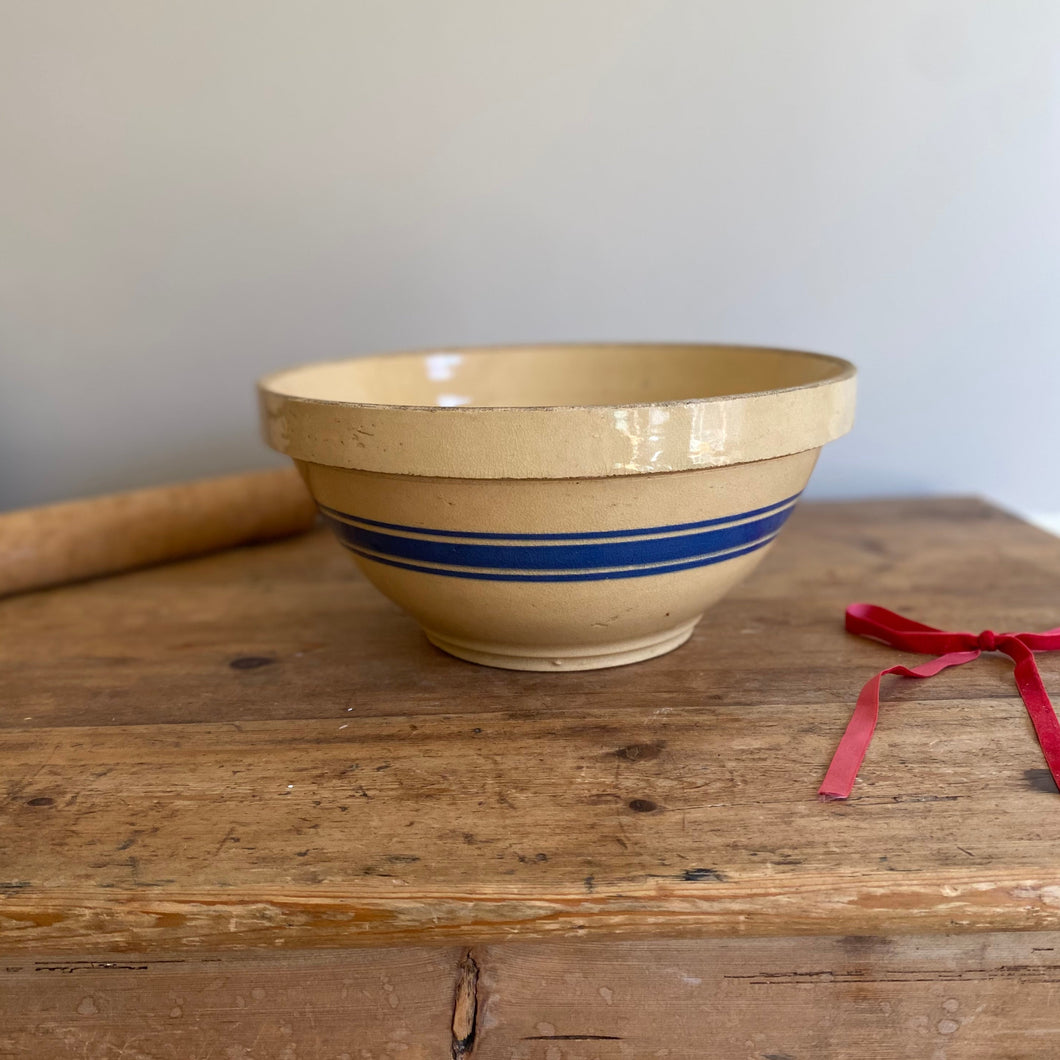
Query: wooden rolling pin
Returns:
{"type": "Point", "coordinates": [104, 535]}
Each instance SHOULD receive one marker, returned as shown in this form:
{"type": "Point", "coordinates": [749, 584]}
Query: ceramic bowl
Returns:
{"type": "Point", "coordinates": [559, 507]}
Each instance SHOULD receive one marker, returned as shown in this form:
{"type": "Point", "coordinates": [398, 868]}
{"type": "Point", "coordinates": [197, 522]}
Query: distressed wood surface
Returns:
{"type": "Point", "coordinates": [971, 997]}
{"type": "Point", "coordinates": [255, 750]}
{"type": "Point", "coordinates": [968, 997]}
{"type": "Point", "coordinates": [323, 1006]}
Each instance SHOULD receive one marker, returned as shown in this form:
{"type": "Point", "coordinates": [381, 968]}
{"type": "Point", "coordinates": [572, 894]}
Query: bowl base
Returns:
{"type": "Point", "coordinates": [621, 653]}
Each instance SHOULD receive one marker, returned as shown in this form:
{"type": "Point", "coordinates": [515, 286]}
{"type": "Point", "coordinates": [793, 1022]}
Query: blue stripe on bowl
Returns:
{"type": "Point", "coordinates": [566, 576]}
{"type": "Point", "coordinates": [592, 556]}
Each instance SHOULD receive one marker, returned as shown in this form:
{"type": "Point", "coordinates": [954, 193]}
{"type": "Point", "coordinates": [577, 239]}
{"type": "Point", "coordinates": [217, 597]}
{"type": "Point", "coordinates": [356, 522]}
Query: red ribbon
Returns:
{"type": "Point", "coordinates": [953, 649]}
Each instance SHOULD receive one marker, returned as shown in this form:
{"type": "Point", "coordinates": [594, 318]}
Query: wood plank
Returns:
{"type": "Point", "coordinates": [700, 820]}
{"type": "Point", "coordinates": [957, 997]}
{"type": "Point", "coordinates": [985, 997]}
{"type": "Point", "coordinates": [351, 1006]}
{"type": "Point", "coordinates": [373, 791]}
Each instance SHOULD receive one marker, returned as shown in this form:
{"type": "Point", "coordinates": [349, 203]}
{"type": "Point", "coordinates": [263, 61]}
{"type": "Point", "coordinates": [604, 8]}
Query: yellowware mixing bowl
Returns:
{"type": "Point", "coordinates": [559, 507]}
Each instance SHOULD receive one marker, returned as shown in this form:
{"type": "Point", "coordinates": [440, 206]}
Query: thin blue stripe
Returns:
{"type": "Point", "coordinates": [528, 556]}
{"type": "Point", "coordinates": [588, 576]}
{"type": "Point", "coordinates": [335, 514]}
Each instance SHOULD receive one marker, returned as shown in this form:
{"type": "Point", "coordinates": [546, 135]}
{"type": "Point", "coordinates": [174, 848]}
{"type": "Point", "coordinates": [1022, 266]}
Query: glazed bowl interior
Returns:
{"type": "Point", "coordinates": [559, 376]}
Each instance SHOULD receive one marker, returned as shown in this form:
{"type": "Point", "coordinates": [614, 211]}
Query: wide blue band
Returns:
{"type": "Point", "coordinates": [589, 556]}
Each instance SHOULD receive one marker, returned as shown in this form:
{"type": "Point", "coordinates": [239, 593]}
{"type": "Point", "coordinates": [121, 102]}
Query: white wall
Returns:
{"type": "Point", "coordinates": [195, 193]}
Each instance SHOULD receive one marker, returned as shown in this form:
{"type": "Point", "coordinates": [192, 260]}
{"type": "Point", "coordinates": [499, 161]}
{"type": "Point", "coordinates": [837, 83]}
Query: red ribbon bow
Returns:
{"type": "Point", "coordinates": [867, 620]}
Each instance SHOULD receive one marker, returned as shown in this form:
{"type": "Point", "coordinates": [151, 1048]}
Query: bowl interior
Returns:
{"type": "Point", "coordinates": [551, 376]}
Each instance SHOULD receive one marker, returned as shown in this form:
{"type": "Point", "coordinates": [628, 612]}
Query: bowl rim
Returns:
{"type": "Point", "coordinates": [845, 370]}
{"type": "Point", "coordinates": [559, 441]}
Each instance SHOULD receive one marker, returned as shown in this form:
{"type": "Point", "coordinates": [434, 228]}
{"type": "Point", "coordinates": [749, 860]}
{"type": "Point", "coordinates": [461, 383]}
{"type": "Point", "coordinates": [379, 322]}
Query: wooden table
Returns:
{"type": "Point", "coordinates": [250, 813]}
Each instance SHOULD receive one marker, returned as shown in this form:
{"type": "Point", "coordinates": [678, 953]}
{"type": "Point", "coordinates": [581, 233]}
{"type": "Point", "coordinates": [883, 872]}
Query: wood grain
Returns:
{"type": "Point", "coordinates": [975, 997]}
{"type": "Point", "coordinates": [957, 997]}
{"type": "Point", "coordinates": [255, 751]}
{"type": "Point", "coordinates": [374, 1004]}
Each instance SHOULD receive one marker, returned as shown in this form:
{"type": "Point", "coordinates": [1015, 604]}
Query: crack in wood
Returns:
{"type": "Point", "coordinates": [72, 966]}
{"type": "Point", "coordinates": [572, 1038]}
{"type": "Point", "coordinates": [465, 1008]}
{"type": "Point", "coordinates": [1038, 973]}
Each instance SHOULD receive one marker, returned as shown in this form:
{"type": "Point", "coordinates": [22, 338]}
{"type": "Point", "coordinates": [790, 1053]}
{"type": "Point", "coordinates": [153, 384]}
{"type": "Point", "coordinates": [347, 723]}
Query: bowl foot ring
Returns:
{"type": "Point", "coordinates": [514, 658]}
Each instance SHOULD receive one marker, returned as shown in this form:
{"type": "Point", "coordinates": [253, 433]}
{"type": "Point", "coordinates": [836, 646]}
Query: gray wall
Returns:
{"type": "Point", "coordinates": [195, 193]}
